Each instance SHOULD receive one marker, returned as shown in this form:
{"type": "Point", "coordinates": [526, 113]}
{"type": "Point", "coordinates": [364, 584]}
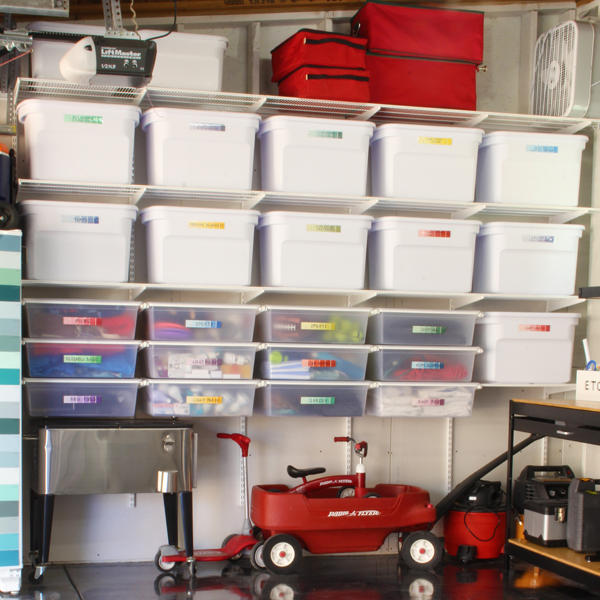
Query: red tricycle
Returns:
{"type": "Point", "coordinates": [340, 514]}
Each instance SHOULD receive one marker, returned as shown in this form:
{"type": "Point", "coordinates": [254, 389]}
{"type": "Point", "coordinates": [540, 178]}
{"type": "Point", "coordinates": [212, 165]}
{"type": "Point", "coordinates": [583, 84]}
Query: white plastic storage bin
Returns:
{"type": "Point", "coordinates": [77, 241]}
{"type": "Point", "coordinates": [323, 362]}
{"type": "Point", "coordinates": [424, 163]}
{"type": "Point", "coordinates": [313, 250]}
{"type": "Point", "coordinates": [201, 246]}
{"type": "Point", "coordinates": [198, 148]}
{"type": "Point", "coordinates": [310, 399]}
{"type": "Point", "coordinates": [314, 156]}
{"type": "Point", "coordinates": [81, 397]}
{"type": "Point", "coordinates": [310, 325]}
{"type": "Point", "coordinates": [526, 258]}
{"type": "Point", "coordinates": [191, 360]}
{"type": "Point", "coordinates": [79, 141]}
{"type": "Point", "coordinates": [411, 327]}
{"type": "Point", "coordinates": [421, 400]}
{"type": "Point", "coordinates": [197, 322]}
{"type": "Point", "coordinates": [529, 168]}
{"type": "Point", "coordinates": [187, 398]}
{"type": "Point", "coordinates": [525, 347]}
{"type": "Point", "coordinates": [81, 319]}
{"type": "Point", "coordinates": [422, 255]}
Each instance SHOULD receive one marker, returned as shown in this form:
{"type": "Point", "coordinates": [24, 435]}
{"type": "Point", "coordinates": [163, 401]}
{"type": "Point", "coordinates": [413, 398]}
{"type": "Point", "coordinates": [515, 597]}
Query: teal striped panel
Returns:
{"type": "Point", "coordinates": [10, 443]}
{"type": "Point", "coordinates": [9, 541]}
{"type": "Point", "coordinates": [9, 492]}
{"type": "Point", "coordinates": [10, 376]}
{"type": "Point", "coordinates": [10, 276]}
{"type": "Point", "coordinates": [10, 459]}
{"type": "Point", "coordinates": [10, 326]}
{"type": "Point", "coordinates": [10, 310]}
{"type": "Point", "coordinates": [9, 509]}
{"type": "Point", "coordinates": [9, 558]}
{"type": "Point", "coordinates": [10, 243]}
{"type": "Point", "coordinates": [10, 393]}
{"type": "Point", "coordinates": [10, 476]}
{"type": "Point", "coordinates": [10, 426]}
{"type": "Point", "coordinates": [10, 293]}
{"type": "Point", "coordinates": [10, 360]}
{"type": "Point", "coordinates": [10, 343]}
{"type": "Point", "coordinates": [9, 410]}
{"type": "Point", "coordinates": [10, 260]}
{"type": "Point", "coordinates": [9, 525]}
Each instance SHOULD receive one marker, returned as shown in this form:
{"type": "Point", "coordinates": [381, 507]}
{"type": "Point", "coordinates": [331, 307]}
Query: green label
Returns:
{"type": "Point", "coordinates": [84, 359]}
{"type": "Point", "coordinates": [316, 400]}
{"type": "Point", "coordinates": [83, 119]}
{"type": "Point", "coordinates": [325, 228]}
{"type": "Point", "coordinates": [333, 135]}
{"type": "Point", "coordinates": [428, 329]}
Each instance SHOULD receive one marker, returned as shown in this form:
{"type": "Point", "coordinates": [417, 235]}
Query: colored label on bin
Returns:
{"type": "Point", "coordinates": [196, 362]}
{"type": "Point", "coordinates": [86, 359]}
{"type": "Point", "coordinates": [317, 326]}
{"type": "Point", "coordinates": [542, 328]}
{"type": "Point", "coordinates": [208, 126]}
{"type": "Point", "coordinates": [436, 141]}
{"type": "Point", "coordinates": [325, 228]}
{"type": "Point", "coordinates": [319, 133]}
{"type": "Point", "coordinates": [204, 399]}
{"type": "Point", "coordinates": [203, 324]}
{"type": "Point", "coordinates": [543, 239]}
{"type": "Point", "coordinates": [426, 365]}
{"type": "Point", "coordinates": [206, 225]}
{"type": "Point", "coordinates": [428, 402]}
{"type": "Point", "coordinates": [82, 399]}
{"type": "Point", "coordinates": [438, 329]}
{"type": "Point", "coordinates": [80, 219]}
{"type": "Point", "coordinates": [308, 362]}
{"type": "Point", "coordinates": [93, 322]}
{"type": "Point", "coordinates": [545, 149]}
{"type": "Point", "coordinates": [434, 233]}
{"type": "Point", "coordinates": [317, 400]}
{"type": "Point", "coordinates": [90, 119]}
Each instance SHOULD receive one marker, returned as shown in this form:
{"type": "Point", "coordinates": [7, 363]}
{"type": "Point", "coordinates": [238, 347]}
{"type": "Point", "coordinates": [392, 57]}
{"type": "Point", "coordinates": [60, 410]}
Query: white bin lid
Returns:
{"type": "Point", "coordinates": [60, 27]}
{"type": "Point", "coordinates": [281, 217]}
{"type": "Point", "coordinates": [312, 384]}
{"type": "Point", "coordinates": [201, 116]}
{"type": "Point", "coordinates": [394, 222]}
{"type": "Point", "coordinates": [425, 312]}
{"type": "Point", "coordinates": [397, 129]}
{"type": "Point", "coordinates": [34, 105]}
{"type": "Point", "coordinates": [545, 139]}
{"type": "Point", "coordinates": [497, 316]}
{"type": "Point", "coordinates": [406, 384]}
{"type": "Point", "coordinates": [506, 227]}
{"type": "Point", "coordinates": [317, 347]}
{"type": "Point", "coordinates": [166, 212]}
{"type": "Point", "coordinates": [75, 303]}
{"type": "Point", "coordinates": [28, 207]}
{"type": "Point", "coordinates": [197, 382]}
{"type": "Point", "coordinates": [98, 381]}
{"type": "Point", "coordinates": [81, 342]}
{"type": "Point", "coordinates": [199, 344]}
{"type": "Point", "coordinates": [285, 122]}
{"type": "Point", "coordinates": [179, 306]}
{"type": "Point", "coordinates": [433, 349]}
{"type": "Point", "coordinates": [334, 310]}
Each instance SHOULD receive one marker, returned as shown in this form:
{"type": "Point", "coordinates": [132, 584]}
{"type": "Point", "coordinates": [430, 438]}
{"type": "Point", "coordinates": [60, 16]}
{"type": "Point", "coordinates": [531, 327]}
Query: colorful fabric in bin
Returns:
{"type": "Point", "coordinates": [52, 322]}
{"type": "Point", "coordinates": [279, 367]}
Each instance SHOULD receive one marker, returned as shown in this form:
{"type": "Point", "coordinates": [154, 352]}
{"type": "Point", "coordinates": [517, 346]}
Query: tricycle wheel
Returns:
{"type": "Point", "coordinates": [346, 492]}
{"type": "Point", "coordinates": [256, 556]}
{"type": "Point", "coordinates": [164, 567]}
{"type": "Point", "coordinates": [235, 556]}
{"type": "Point", "coordinates": [282, 554]}
{"type": "Point", "coordinates": [372, 495]}
{"type": "Point", "coordinates": [421, 550]}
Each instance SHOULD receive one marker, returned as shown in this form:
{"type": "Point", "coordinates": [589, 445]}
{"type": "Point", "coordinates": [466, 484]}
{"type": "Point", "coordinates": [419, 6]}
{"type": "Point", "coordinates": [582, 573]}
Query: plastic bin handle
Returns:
{"type": "Point", "coordinates": [241, 440]}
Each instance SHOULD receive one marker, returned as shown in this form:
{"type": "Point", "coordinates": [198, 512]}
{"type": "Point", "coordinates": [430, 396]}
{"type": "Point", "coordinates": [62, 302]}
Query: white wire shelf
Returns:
{"type": "Point", "coordinates": [557, 388]}
{"type": "Point", "coordinates": [280, 105]}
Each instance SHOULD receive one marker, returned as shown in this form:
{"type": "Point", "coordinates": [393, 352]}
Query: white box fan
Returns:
{"type": "Point", "coordinates": [566, 75]}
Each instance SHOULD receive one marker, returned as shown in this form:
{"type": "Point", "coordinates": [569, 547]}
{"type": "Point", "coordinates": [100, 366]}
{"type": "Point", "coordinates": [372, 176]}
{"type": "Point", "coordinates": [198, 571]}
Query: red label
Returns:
{"type": "Point", "coordinates": [543, 328]}
{"type": "Point", "coordinates": [81, 321]}
{"type": "Point", "coordinates": [434, 233]}
{"type": "Point", "coordinates": [318, 363]}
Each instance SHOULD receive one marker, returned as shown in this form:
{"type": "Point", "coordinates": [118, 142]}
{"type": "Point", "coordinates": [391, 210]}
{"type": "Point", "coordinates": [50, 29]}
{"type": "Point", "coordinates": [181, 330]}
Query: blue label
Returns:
{"type": "Point", "coordinates": [427, 365]}
{"type": "Point", "coordinates": [203, 324]}
{"type": "Point", "coordinates": [547, 149]}
{"type": "Point", "coordinates": [80, 219]}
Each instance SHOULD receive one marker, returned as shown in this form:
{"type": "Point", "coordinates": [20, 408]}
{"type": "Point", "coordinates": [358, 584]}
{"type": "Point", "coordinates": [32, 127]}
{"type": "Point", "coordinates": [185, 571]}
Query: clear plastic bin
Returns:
{"type": "Point", "coordinates": [190, 360]}
{"type": "Point", "coordinates": [197, 322]}
{"type": "Point", "coordinates": [81, 358]}
{"type": "Point", "coordinates": [420, 400]}
{"type": "Point", "coordinates": [421, 363]}
{"type": "Point", "coordinates": [304, 399]}
{"type": "Point", "coordinates": [81, 397]}
{"type": "Point", "coordinates": [407, 327]}
{"type": "Point", "coordinates": [323, 362]}
{"type": "Point", "coordinates": [307, 325]}
{"type": "Point", "coordinates": [181, 397]}
{"type": "Point", "coordinates": [81, 319]}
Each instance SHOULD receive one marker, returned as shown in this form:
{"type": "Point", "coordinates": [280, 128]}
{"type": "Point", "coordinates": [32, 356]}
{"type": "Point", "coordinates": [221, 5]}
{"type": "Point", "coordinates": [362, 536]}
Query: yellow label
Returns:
{"type": "Point", "coordinates": [317, 326]}
{"type": "Point", "coordinates": [206, 225]}
{"type": "Point", "coordinates": [204, 399]}
{"type": "Point", "coordinates": [436, 141]}
{"type": "Point", "coordinates": [325, 228]}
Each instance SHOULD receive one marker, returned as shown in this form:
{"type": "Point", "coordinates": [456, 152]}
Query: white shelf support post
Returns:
{"type": "Point", "coordinates": [243, 431]}
{"type": "Point", "coordinates": [449, 452]}
{"type": "Point", "coordinates": [349, 446]}
{"type": "Point", "coordinates": [253, 64]}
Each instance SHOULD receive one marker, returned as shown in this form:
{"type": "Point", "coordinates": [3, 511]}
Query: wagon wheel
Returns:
{"type": "Point", "coordinates": [421, 585]}
{"type": "Point", "coordinates": [372, 495]}
{"type": "Point", "coordinates": [421, 550]}
{"type": "Point", "coordinates": [346, 491]}
{"type": "Point", "coordinates": [256, 556]}
{"type": "Point", "coordinates": [282, 554]}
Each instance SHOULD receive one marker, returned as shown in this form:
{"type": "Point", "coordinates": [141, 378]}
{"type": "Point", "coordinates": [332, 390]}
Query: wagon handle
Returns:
{"type": "Point", "coordinates": [241, 440]}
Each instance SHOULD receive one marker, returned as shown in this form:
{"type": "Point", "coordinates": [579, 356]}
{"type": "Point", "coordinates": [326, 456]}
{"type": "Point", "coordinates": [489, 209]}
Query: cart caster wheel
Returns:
{"type": "Point", "coordinates": [372, 495]}
{"type": "Point", "coordinates": [163, 567]}
{"type": "Point", "coordinates": [9, 217]}
{"type": "Point", "coordinates": [256, 556]}
{"type": "Point", "coordinates": [282, 554]}
{"type": "Point", "coordinates": [236, 556]}
{"type": "Point", "coordinates": [193, 568]}
{"type": "Point", "coordinates": [346, 492]}
{"type": "Point", "coordinates": [33, 579]}
{"type": "Point", "coordinates": [421, 550]}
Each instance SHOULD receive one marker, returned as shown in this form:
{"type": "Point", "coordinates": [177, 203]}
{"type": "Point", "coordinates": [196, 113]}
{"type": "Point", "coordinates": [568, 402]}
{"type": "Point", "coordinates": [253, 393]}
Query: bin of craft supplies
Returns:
{"type": "Point", "coordinates": [526, 258]}
{"type": "Point", "coordinates": [77, 241]}
{"type": "Point", "coordinates": [81, 397]}
{"type": "Point", "coordinates": [422, 255]}
{"type": "Point", "coordinates": [311, 399]}
{"type": "Point", "coordinates": [332, 362]}
{"type": "Point", "coordinates": [421, 363]}
{"type": "Point", "coordinates": [188, 398]}
{"type": "Point", "coordinates": [80, 319]}
{"type": "Point", "coordinates": [314, 156]}
{"type": "Point", "coordinates": [421, 400]}
{"type": "Point", "coordinates": [412, 327]}
{"type": "Point", "coordinates": [525, 347]}
{"type": "Point", "coordinates": [80, 358]}
{"type": "Point", "coordinates": [311, 325]}
{"type": "Point", "coordinates": [199, 148]}
{"type": "Point", "coordinates": [194, 360]}
{"type": "Point", "coordinates": [171, 321]}
{"type": "Point", "coordinates": [313, 250]}
{"type": "Point", "coordinates": [199, 246]}
{"type": "Point", "coordinates": [78, 141]}
{"type": "Point", "coordinates": [529, 168]}
{"type": "Point", "coordinates": [424, 162]}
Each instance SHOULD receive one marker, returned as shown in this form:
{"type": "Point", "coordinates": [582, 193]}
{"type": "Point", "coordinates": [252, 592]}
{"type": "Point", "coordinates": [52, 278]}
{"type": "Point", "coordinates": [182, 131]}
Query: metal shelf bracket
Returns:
{"type": "Point", "coordinates": [469, 212]}
{"type": "Point", "coordinates": [363, 207]}
{"type": "Point", "coordinates": [365, 116]}
{"type": "Point", "coordinates": [552, 305]}
{"type": "Point", "coordinates": [360, 297]}
{"type": "Point", "coordinates": [465, 300]}
{"type": "Point", "coordinates": [575, 127]}
{"type": "Point", "coordinates": [249, 204]}
{"type": "Point", "coordinates": [568, 216]}
{"type": "Point", "coordinates": [473, 121]}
